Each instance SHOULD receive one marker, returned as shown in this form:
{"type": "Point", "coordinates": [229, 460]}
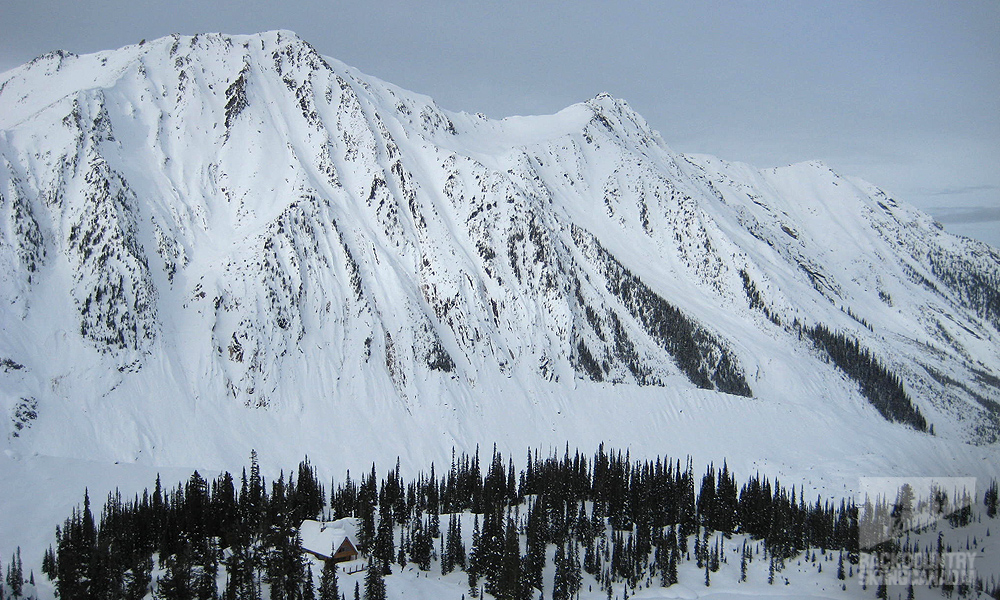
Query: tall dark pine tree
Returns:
{"type": "Point", "coordinates": [366, 533]}
{"type": "Point", "coordinates": [77, 549]}
{"type": "Point", "coordinates": [253, 496]}
{"type": "Point", "coordinates": [686, 511]}
{"type": "Point", "coordinates": [674, 550]}
{"type": "Point", "coordinates": [374, 581]}
{"type": "Point", "coordinates": [726, 501]}
{"type": "Point", "coordinates": [49, 562]}
{"type": "Point", "coordinates": [138, 579]}
{"type": "Point", "coordinates": [308, 588]}
{"type": "Point", "coordinates": [990, 499]}
{"type": "Point", "coordinates": [489, 554]}
{"type": "Point", "coordinates": [382, 549]}
{"type": "Point", "coordinates": [15, 574]}
{"type": "Point", "coordinates": [309, 498]}
{"type": "Point", "coordinates": [421, 545]}
{"type": "Point", "coordinates": [706, 500]}
{"type": "Point", "coordinates": [537, 537]}
{"type": "Point", "coordinates": [328, 582]}
{"type": "Point", "coordinates": [454, 549]}
{"type": "Point", "coordinates": [662, 561]}
{"type": "Point", "coordinates": [560, 584]}
{"type": "Point", "coordinates": [242, 580]}
{"type": "Point", "coordinates": [509, 584]}
{"type": "Point", "coordinates": [475, 562]}
{"type": "Point", "coordinates": [176, 582]}
{"type": "Point", "coordinates": [224, 509]}
{"type": "Point", "coordinates": [567, 577]}
{"type": "Point", "coordinates": [575, 577]}
{"type": "Point", "coordinates": [206, 572]}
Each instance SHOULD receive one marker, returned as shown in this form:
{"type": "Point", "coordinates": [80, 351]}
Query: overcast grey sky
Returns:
{"type": "Point", "coordinates": [905, 94]}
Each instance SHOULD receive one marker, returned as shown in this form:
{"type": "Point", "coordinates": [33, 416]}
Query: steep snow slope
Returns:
{"type": "Point", "coordinates": [216, 242]}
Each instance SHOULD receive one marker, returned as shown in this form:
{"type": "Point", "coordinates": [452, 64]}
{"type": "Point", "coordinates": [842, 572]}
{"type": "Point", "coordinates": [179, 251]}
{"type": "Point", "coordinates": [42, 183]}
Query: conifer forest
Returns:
{"type": "Point", "coordinates": [626, 524]}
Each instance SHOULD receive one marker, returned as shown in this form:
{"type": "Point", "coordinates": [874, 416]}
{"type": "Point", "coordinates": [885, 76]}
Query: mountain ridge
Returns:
{"type": "Point", "coordinates": [230, 223]}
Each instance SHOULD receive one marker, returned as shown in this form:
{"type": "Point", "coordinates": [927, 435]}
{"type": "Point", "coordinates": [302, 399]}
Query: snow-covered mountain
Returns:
{"type": "Point", "coordinates": [214, 242]}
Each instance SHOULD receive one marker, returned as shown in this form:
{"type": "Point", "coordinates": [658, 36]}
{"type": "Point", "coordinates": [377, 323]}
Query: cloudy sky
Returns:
{"type": "Point", "coordinates": [905, 94]}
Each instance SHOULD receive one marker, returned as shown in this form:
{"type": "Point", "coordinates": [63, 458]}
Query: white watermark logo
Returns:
{"type": "Point", "coordinates": [896, 514]}
{"type": "Point", "coordinates": [917, 568]}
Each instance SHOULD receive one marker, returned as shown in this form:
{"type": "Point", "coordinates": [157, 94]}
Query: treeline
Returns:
{"type": "Point", "coordinates": [975, 286]}
{"type": "Point", "coordinates": [704, 359]}
{"type": "Point", "coordinates": [618, 520]}
{"type": "Point", "coordinates": [881, 387]}
{"type": "Point", "coordinates": [190, 529]}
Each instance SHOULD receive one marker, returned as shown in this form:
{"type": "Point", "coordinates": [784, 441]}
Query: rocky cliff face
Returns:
{"type": "Point", "coordinates": [197, 225]}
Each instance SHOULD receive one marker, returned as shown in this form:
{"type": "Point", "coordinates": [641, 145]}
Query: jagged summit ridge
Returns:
{"type": "Point", "coordinates": [238, 220]}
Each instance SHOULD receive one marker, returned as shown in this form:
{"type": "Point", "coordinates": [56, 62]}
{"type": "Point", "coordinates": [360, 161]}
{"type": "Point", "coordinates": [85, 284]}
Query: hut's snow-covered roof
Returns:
{"type": "Point", "coordinates": [325, 538]}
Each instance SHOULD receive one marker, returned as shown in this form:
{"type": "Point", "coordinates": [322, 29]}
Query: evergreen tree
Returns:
{"type": "Point", "coordinates": [421, 545]}
{"type": "Point", "coordinates": [328, 582]}
{"type": "Point", "coordinates": [990, 499]}
{"type": "Point", "coordinates": [473, 583]}
{"type": "Point", "coordinates": [242, 580]}
{"type": "Point", "coordinates": [366, 532]}
{"type": "Point", "coordinates": [15, 574]}
{"type": "Point", "coordinates": [224, 510]}
{"type": "Point", "coordinates": [176, 582]}
{"type": "Point", "coordinates": [706, 500]}
{"type": "Point", "coordinates": [560, 585]}
{"type": "Point", "coordinates": [308, 585]}
{"type": "Point", "coordinates": [374, 581]}
{"type": "Point", "coordinates": [253, 496]}
{"type": "Point", "coordinates": [649, 506]}
{"type": "Point", "coordinates": [309, 497]}
{"type": "Point", "coordinates": [204, 582]}
{"type": "Point", "coordinates": [567, 577]}
{"type": "Point", "coordinates": [534, 560]}
{"type": "Point", "coordinates": [475, 562]}
{"type": "Point", "coordinates": [674, 550]}
{"type": "Point", "coordinates": [726, 507]}
{"type": "Point", "coordinates": [687, 513]}
{"type": "Point", "coordinates": [714, 559]}
{"type": "Point", "coordinates": [49, 568]}
{"type": "Point", "coordinates": [383, 550]}
{"type": "Point", "coordinates": [509, 582]}
{"type": "Point", "coordinates": [575, 579]}
{"type": "Point", "coordinates": [456, 547]}
{"type": "Point", "coordinates": [76, 547]}
{"type": "Point", "coordinates": [138, 579]}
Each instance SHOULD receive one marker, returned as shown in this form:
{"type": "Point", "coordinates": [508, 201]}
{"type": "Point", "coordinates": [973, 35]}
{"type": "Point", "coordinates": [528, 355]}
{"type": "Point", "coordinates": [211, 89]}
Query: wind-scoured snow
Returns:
{"type": "Point", "coordinates": [214, 243]}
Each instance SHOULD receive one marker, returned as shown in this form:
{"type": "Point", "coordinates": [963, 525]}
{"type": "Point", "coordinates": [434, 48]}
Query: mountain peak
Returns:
{"type": "Point", "coordinates": [616, 114]}
{"type": "Point", "coordinates": [236, 223]}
